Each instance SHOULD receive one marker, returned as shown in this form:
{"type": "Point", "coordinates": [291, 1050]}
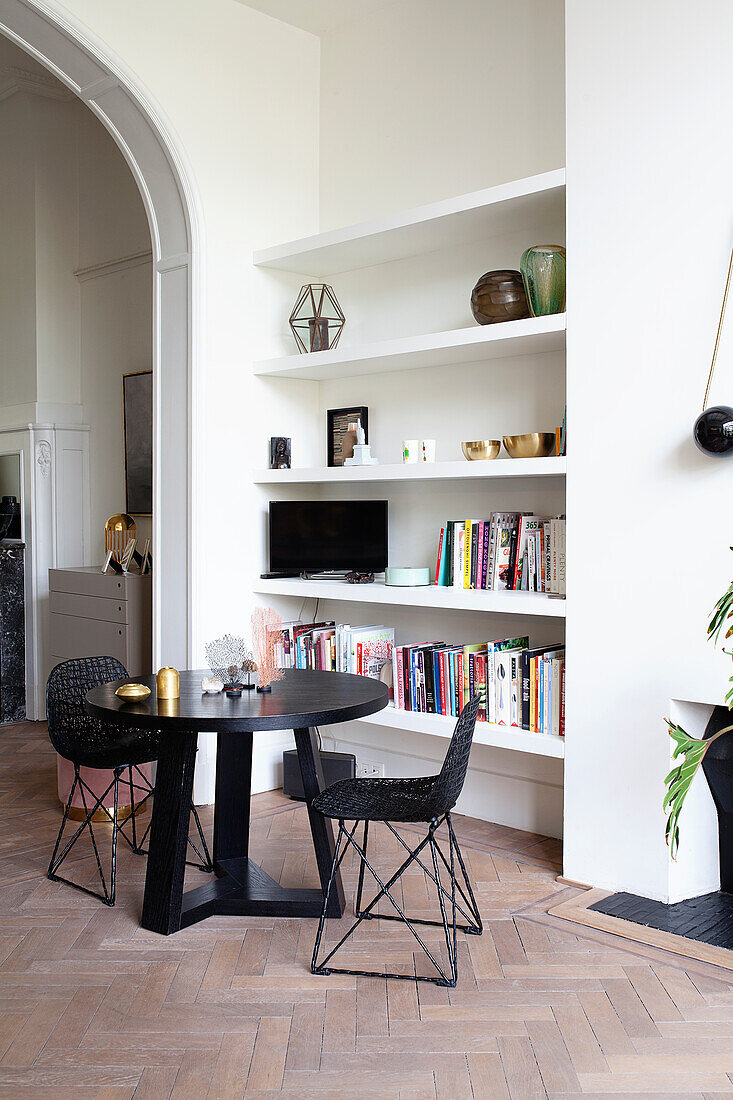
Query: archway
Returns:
{"type": "Point", "coordinates": [102, 82]}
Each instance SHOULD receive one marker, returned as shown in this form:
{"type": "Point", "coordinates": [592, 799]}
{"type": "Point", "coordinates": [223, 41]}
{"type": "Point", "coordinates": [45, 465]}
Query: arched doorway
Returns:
{"type": "Point", "coordinates": [158, 167]}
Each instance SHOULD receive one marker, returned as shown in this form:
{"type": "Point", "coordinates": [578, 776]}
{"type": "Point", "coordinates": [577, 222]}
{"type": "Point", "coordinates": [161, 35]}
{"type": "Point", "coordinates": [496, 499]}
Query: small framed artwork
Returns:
{"type": "Point", "coordinates": [279, 452]}
{"type": "Point", "coordinates": [137, 411]}
{"type": "Point", "coordinates": [338, 423]}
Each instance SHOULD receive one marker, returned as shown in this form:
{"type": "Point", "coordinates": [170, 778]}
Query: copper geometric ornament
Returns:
{"type": "Point", "coordinates": [317, 321]}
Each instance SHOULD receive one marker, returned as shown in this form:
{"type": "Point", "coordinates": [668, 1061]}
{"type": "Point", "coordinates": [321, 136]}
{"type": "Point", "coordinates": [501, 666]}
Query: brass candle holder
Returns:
{"type": "Point", "coordinates": [168, 683]}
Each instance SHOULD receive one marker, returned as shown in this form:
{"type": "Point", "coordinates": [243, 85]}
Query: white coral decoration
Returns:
{"type": "Point", "coordinates": [229, 658]}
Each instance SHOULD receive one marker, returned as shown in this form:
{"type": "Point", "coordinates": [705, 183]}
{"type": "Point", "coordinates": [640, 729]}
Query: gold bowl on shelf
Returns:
{"type": "Point", "coordinates": [531, 445]}
{"type": "Point", "coordinates": [476, 449]}
{"type": "Point", "coordinates": [131, 692]}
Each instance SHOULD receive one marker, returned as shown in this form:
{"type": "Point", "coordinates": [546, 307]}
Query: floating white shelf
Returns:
{"type": "Point", "coordinates": [458, 599]}
{"type": "Point", "coordinates": [438, 725]}
{"type": "Point", "coordinates": [499, 469]}
{"type": "Point", "coordinates": [530, 336]}
{"type": "Point", "coordinates": [519, 205]}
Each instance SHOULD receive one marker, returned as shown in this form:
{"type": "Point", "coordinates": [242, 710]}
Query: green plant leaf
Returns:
{"type": "Point", "coordinates": [679, 780]}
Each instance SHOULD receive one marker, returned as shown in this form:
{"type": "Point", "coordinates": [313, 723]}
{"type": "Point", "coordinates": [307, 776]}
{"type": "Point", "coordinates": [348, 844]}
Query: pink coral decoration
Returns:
{"type": "Point", "coordinates": [266, 635]}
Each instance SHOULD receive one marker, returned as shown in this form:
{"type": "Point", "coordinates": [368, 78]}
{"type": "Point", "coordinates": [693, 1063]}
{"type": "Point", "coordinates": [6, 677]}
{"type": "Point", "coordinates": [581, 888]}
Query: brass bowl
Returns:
{"type": "Point", "coordinates": [130, 692]}
{"type": "Point", "coordinates": [531, 445]}
{"type": "Point", "coordinates": [480, 448]}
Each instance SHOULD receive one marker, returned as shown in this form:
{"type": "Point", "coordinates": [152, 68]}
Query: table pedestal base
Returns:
{"type": "Point", "coordinates": [245, 890]}
{"type": "Point", "coordinates": [241, 888]}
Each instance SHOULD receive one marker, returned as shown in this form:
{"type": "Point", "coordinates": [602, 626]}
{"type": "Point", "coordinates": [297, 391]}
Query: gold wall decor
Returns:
{"type": "Point", "coordinates": [168, 683]}
{"type": "Point", "coordinates": [118, 531]}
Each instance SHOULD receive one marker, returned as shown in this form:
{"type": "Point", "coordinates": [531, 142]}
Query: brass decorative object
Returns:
{"type": "Point", "coordinates": [531, 445]}
{"type": "Point", "coordinates": [477, 449]}
{"type": "Point", "coordinates": [133, 691]}
{"type": "Point", "coordinates": [317, 320]}
{"type": "Point", "coordinates": [168, 683]}
{"type": "Point", "coordinates": [119, 530]}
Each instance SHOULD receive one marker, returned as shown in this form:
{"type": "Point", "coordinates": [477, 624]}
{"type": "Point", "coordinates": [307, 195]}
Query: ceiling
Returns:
{"type": "Point", "coordinates": [316, 16]}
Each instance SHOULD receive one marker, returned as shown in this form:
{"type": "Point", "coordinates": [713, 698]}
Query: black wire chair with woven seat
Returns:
{"type": "Point", "coordinates": [89, 743]}
{"type": "Point", "coordinates": [427, 799]}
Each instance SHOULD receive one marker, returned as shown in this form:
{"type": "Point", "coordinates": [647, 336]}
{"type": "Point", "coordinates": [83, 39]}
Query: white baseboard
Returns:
{"type": "Point", "coordinates": [503, 787]}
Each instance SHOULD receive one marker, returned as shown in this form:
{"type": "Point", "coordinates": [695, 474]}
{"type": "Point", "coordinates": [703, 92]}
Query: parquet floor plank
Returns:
{"type": "Point", "coordinates": [92, 1005]}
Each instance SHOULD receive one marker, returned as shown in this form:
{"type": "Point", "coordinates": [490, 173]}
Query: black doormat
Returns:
{"type": "Point", "coordinates": [707, 918]}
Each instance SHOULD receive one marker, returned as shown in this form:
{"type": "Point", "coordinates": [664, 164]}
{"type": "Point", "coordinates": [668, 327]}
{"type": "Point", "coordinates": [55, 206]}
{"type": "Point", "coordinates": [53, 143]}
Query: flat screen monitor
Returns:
{"type": "Point", "coordinates": [318, 536]}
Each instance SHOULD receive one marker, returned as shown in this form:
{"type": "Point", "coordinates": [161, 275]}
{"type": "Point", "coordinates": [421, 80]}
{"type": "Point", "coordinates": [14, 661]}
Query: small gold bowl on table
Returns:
{"type": "Point", "coordinates": [531, 445]}
{"type": "Point", "coordinates": [476, 449]}
{"type": "Point", "coordinates": [132, 692]}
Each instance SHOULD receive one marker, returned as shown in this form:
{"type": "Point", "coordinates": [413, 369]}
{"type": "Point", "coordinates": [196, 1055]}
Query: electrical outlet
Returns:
{"type": "Point", "coordinates": [369, 769]}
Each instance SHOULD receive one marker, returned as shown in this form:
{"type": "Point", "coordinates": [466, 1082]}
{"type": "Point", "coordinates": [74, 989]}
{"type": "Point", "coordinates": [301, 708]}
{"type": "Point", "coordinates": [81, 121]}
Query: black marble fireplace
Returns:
{"type": "Point", "coordinates": [12, 631]}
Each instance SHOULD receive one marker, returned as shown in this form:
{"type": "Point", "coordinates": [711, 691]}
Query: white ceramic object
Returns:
{"type": "Point", "coordinates": [427, 450]}
{"type": "Point", "coordinates": [362, 456]}
{"type": "Point", "coordinates": [410, 451]}
{"type": "Point", "coordinates": [401, 577]}
{"type": "Point", "coordinates": [212, 685]}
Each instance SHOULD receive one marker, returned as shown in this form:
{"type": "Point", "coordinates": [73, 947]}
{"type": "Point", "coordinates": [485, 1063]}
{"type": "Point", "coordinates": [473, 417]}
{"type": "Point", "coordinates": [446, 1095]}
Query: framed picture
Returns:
{"type": "Point", "coordinates": [338, 423]}
{"type": "Point", "coordinates": [137, 411]}
{"type": "Point", "coordinates": [279, 452]}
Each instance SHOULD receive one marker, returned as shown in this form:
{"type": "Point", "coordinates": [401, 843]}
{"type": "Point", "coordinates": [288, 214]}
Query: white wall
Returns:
{"type": "Point", "coordinates": [650, 227]}
{"type": "Point", "coordinates": [69, 202]}
{"type": "Point", "coordinates": [423, 99]}
{"type": "Point", "coordinates": [17, 258]}
{"type": "Point", "coordinates": [116, 311]}
{"type": "Point", "coordinates": [246, 114]}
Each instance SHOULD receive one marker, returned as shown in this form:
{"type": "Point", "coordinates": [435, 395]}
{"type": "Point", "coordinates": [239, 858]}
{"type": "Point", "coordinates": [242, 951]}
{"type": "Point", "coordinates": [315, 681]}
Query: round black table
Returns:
{"type": "Point", "coordinates": [300, 701]}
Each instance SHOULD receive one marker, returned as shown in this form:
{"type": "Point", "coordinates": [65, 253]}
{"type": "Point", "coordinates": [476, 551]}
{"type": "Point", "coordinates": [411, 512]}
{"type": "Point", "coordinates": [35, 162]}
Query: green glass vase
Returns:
{"type": "Point", "coordinates": [543, 272]}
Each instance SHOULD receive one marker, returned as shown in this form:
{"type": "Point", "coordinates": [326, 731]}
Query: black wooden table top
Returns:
{"type": "Point", "coordinates": [302, 698]}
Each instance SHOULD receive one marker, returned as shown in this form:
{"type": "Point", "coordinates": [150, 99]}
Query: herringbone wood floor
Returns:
{"type": "Point", "coordinates": [93, 1005]}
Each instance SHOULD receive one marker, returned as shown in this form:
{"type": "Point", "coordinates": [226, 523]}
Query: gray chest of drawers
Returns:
{"type": "Point", "coordinates": [101, 614]}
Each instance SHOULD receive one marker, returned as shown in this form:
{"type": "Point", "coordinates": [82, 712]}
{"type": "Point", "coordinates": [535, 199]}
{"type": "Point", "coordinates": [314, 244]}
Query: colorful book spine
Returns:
{"type": "Point", "coordinates": [439, 562]}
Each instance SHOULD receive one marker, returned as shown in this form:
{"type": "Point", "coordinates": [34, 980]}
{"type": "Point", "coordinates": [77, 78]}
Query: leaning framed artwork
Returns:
{"type": "Point", "coordinates": [338, 421]}
{"type": "Point", "coordinates": [137, 413]}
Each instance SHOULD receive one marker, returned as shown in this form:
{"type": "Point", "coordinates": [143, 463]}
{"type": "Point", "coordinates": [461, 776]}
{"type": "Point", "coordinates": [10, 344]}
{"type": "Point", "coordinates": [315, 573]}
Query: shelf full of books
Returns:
{"type": "Point", "coordinates": [511, 551]}
{"type": "Point", "coordinates": [520, 686]}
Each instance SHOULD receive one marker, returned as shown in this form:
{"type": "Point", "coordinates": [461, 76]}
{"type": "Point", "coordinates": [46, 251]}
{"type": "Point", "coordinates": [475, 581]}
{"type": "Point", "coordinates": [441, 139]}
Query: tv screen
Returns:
{"type": "Point", "coordinates": [316, 536]}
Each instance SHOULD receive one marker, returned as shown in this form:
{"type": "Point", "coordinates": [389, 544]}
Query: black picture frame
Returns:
{"type": "Point", "coordinates": [137, 419]}
{"type": "Point", "coordinates": [337, 423]}
{"type": "Point", "coordinates": [280, 457]}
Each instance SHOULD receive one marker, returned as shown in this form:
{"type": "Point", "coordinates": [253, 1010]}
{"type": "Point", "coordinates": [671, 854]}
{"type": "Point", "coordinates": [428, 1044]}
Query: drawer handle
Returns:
{"type": "Point", "coordinates": [119, 631]}
{"type": "Point", "coordinates": [119, 609]}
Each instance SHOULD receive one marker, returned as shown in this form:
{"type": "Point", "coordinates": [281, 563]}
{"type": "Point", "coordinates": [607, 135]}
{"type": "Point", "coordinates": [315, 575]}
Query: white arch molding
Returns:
{"type": "Point", "coordinates": [149, 146]}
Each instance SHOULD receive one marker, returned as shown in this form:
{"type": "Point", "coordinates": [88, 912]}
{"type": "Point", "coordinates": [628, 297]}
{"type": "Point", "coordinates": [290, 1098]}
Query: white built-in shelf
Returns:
{"type": "Point", "coordinates": [511, 207]}
{"type": "Point", "coordinates": [498, 469]}
{"type": "Point", "coordinates": [455, 599]}
{"type": "Point", "coordinates": [477, 343]}
{"type": "Point", "coordinates": [438, 725]}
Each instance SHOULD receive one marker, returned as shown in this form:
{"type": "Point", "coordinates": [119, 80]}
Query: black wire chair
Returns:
{"type": "Point", "coordinates": [427, 799]}
{"type": "Point", "coordinates": [90, 743]}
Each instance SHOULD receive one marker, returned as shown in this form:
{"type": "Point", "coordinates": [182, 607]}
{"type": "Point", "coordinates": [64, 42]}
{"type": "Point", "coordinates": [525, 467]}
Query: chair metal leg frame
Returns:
{"type": "Point", "coordinates": [441, 978]}
{"type": "Point", "coordinates": [474, 927]}
{"type": "Point", "coordinates": [108, 895]}
{"type": "Point", "coordinates": [205, 861]}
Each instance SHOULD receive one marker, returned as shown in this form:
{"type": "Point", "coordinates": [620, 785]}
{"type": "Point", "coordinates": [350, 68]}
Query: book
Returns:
{"type": "Point", "coordinates": [467, 554]}
{"type": "Point", "coordinates": [475, 526]}
{"type": "Point", "coordinates": [439, 562]}
{"type": "Point", "coordinates": [528, 525]}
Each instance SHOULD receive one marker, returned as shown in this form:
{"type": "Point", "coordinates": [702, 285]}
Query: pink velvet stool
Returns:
{"type": "Point", "coordinates": [98, 779]}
